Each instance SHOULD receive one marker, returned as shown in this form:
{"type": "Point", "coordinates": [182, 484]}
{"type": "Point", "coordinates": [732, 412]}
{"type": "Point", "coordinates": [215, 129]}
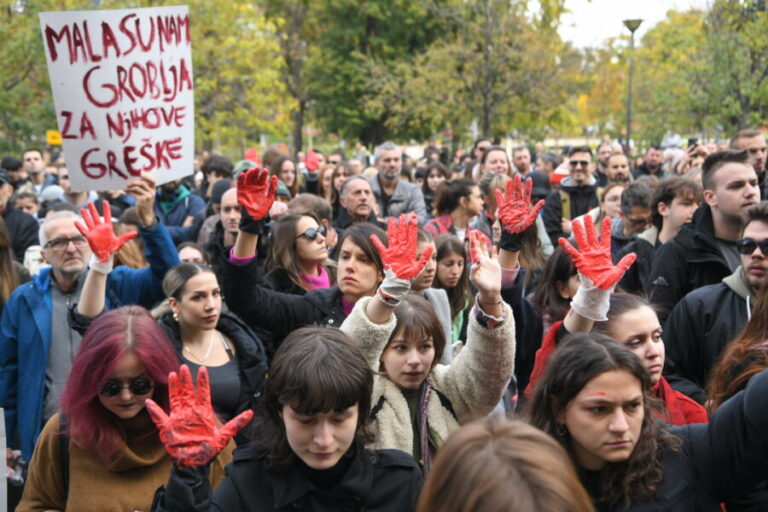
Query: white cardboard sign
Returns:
{"type": "Point", "coordinates": [123, 91]}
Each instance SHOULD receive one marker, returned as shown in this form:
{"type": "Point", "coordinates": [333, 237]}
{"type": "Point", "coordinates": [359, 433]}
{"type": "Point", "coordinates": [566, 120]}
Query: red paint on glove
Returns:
{"type": "Point", "coordinates": [100, 233]}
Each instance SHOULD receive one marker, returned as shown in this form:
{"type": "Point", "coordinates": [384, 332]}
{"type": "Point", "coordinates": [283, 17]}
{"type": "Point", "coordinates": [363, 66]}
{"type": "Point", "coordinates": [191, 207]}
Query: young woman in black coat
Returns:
{"type": "Point", "coordinates": [308, 451]}
{"type": "Point", "coordinates": [594, 399]}
{"type": "Point", "coordinates": [359, 270]}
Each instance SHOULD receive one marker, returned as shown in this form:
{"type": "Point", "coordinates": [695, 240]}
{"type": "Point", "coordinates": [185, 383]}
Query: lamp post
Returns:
{"type": "Point", "coordinates": [632, 25]}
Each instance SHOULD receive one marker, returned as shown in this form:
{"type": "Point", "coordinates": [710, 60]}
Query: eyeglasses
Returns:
{"type": "Point", "coordinates": [60, 244]}
{"type": "Point", "coordinates": [138, 386]}
{"type": "Point", "coordinates": [581, 163]}
{"type": "Point", "coordinates": [311, 233]}
{"type": "Point", "coordinates": [747, 246]}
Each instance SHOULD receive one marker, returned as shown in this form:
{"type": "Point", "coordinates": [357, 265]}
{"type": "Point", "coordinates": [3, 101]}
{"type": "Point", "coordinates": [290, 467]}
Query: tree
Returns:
{"type": "Point", "coordinates": [360, 42]}
{"type": "Point", "coordinates": [501, 66]}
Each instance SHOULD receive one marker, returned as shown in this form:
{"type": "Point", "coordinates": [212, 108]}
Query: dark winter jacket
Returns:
{"type": "Point", "coordinates": [581, 199]}
{"type": "Point", "coordinates": [279, 313]}
{"type": "Point", "coordinates": [700, 327]}
{"type": "Point", "coordinates": [249, 351]}
{"type": "Point", "coordinates": [173, 213]}
{"type": "Point", "coordinates": [690, 260]}
{"type": "Point", "coordinates": [718, 461]}
{"type": "Point", "coordinates": [635, 279]}
{"type": "Point", "coordinates": [343, 220]}
{"type": "Point", "coordinates": [642, 170]}
{"type": "Point", "coordinates": [386, 480]}
{"type": "Point", "coordinates": [528, 332]}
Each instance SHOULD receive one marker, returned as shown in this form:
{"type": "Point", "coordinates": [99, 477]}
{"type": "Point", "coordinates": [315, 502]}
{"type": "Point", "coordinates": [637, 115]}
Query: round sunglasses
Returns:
{"type": "Point", "coordinates": [138, 386]}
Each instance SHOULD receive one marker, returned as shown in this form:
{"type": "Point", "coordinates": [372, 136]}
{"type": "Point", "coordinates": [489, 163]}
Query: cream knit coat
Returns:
{"type": "Point", "coordinates": [474, 383]}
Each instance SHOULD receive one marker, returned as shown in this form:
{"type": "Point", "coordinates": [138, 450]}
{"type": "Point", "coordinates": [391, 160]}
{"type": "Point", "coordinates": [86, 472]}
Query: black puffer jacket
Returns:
{"type": "Point", "coordinates": [279, 313]}
{"type": "Point", "coordinates": [250, 352]}
{"type": "Point", "coordinates": [700, 327]}
{"type": "Point", "coordinates": [386, 480]}
{"type": "Point", "coordinates": [718, 461]}
{"type": "Point", "coordinates": [635, 279]}
{"type": "Point", "coordinates": [688, 261]}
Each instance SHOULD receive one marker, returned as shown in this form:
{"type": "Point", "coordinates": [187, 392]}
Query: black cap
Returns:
{"type": "Point", "coordinates": [4, 178]}
{"type": "Point", "coordinates": [11, 163]}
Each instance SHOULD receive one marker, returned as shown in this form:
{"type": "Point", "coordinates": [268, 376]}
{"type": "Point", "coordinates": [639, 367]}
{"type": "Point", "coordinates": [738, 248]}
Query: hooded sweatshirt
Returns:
{"type": "Point", "coordinates": [699, 328]}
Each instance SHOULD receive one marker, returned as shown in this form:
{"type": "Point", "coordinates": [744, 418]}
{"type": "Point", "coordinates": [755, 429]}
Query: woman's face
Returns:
{"type": "Point", "coordinates": [339, 180]}
{"type": "Point", "coordinates": [605, 419]}
{"type": "Point", "coordinates": [326, 178]}
{"type": "Point", "coordinates": [310, 251]}
{"type": "Point", "coordinates": [125, 405]}
{"type": "Point", "coordinates": [568, 289]}
{"type": "Point", "coordinates": [190, 255]}
{"type": "Point", "coordinates": [406, 361]}
{"type": "Point", "coordinates": [427, 276]}
{"type": "Point", "coordinates": [449, 269]}
{"type": "Point", "coordinates": [199, 306]}
{"type": "Point", "coordinates": [612, 202]}
{"type": "Point", "coordinates": [474, 202]}
{"type": "Point", "coordinates": [288, 173]}
{"type": "Point", "coordinates": [357, 275]}
{"type": "Point", "coordinates": [320, 439]}
{"type": "Point", "coordinates": [640, 331]}
{"type": "Point", "coordinates": [496, 161]}
{"type": "Point", "coordinates": [434, 179]}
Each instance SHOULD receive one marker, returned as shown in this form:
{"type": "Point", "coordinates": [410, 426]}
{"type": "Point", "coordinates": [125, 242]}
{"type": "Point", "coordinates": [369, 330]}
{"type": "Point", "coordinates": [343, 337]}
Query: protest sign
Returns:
{"type": "Point", "coordinates": [123, 92]}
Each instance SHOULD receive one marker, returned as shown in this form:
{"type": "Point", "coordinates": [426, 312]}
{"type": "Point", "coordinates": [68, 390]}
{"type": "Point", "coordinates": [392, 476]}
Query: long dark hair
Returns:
{"type": "Point", "coordinates": [283, 252]}
{"type": "Point", "coordinates": [578, 360]}
{"type": "Point", "coordinates": [546, 297]}
{"type": "Point", "coordinates": [316, 369]}
{"type": "Point", "coordinates": [449, 194]}
{"type": "Point", "coordinates": [743, 357]}
{"type": "Point", "coordinates": [460, 296]}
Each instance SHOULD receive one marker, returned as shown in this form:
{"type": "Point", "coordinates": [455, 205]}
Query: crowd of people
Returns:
{"type": "Point", "coordinates": [503, 330]}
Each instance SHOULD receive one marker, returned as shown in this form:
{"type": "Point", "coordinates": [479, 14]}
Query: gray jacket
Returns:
{"type": "Point", "coordinates": [406, 197]}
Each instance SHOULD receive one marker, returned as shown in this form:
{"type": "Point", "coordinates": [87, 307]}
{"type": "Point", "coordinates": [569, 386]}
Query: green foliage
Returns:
{"type": "Point", "coordinates": [239, 93]}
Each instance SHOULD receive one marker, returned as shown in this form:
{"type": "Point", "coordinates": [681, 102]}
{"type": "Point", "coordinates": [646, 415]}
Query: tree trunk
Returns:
{"type": "Point", "coordinates": [298, 127]}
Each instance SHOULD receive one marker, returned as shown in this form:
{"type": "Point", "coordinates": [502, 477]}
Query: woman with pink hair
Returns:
{"type": "Point", "coordinates": [102, 451]}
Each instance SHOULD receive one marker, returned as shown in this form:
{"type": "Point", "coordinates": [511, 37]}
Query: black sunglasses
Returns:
{"type": "Point", "coordinates": [138, 386]}
{"type": "Point", "coordinates": [582, 163]}
{"type": "Point", "coordinates": [311, 233]}
{"type": "Point", "coordinates": [747, 246]}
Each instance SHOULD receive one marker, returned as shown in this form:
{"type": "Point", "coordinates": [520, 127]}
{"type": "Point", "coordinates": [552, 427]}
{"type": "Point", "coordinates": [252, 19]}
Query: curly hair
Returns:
{"type": "Point", "coordinates": [579, 360]}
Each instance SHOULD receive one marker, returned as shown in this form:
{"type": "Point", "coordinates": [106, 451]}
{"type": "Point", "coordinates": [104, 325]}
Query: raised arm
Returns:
{"type": "Point", "coordinates": [191, 438]}
{"type": "Point", "coordinates": [516, 215]}
{"type": "Point", "coordinates": [104, 244]}
{"type": "Point", "coordinates": [372, 322]}
{"type": "Point", "coordinates": [255, 194]}
{"type": "Point", "coordinates": [597, 275]}
{"type": "Point", "coordinates": [475, 382]}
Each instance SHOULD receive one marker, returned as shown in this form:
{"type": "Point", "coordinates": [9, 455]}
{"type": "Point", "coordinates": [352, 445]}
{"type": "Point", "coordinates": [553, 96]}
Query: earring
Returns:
{"type": "Point", "coordinates": [561, 429]}
{"type": "Point", "coordinates": [176, 317]}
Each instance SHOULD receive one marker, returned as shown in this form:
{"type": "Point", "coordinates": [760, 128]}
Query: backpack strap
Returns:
{"type": "Point", "coordinates": [64, 451]}
{"type": "Point", "coordinates": [565, 205]}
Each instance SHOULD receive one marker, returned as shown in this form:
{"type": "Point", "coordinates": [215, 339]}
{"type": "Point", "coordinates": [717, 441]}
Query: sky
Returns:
{"type": "Point", "coordinates": [591, 22]}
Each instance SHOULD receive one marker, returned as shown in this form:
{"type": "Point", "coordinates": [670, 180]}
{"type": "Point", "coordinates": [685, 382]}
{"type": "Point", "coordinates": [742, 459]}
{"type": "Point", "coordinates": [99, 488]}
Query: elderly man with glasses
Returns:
{"type": "Point", "coordinates": [37, 345]}
{"type": "Point", "coordinates": [577, 195]}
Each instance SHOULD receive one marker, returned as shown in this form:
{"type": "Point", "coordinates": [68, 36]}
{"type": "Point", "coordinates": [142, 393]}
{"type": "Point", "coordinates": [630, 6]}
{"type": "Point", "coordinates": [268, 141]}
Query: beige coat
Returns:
{"type": "Point", "coordinates": [473, 384]}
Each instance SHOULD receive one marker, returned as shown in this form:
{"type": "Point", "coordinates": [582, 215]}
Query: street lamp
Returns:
{"type": "Point", "coordinates": [632, 25]}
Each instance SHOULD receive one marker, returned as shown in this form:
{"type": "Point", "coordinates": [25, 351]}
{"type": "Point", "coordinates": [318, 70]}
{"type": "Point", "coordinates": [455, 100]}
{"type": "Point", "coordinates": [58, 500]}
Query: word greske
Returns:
{"type": "Point", "coordinates": [130, 34]}
{"type": "Point", "coordinates": [140, 80]}
{"type": "Point", "coordinates": [147, 156]}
